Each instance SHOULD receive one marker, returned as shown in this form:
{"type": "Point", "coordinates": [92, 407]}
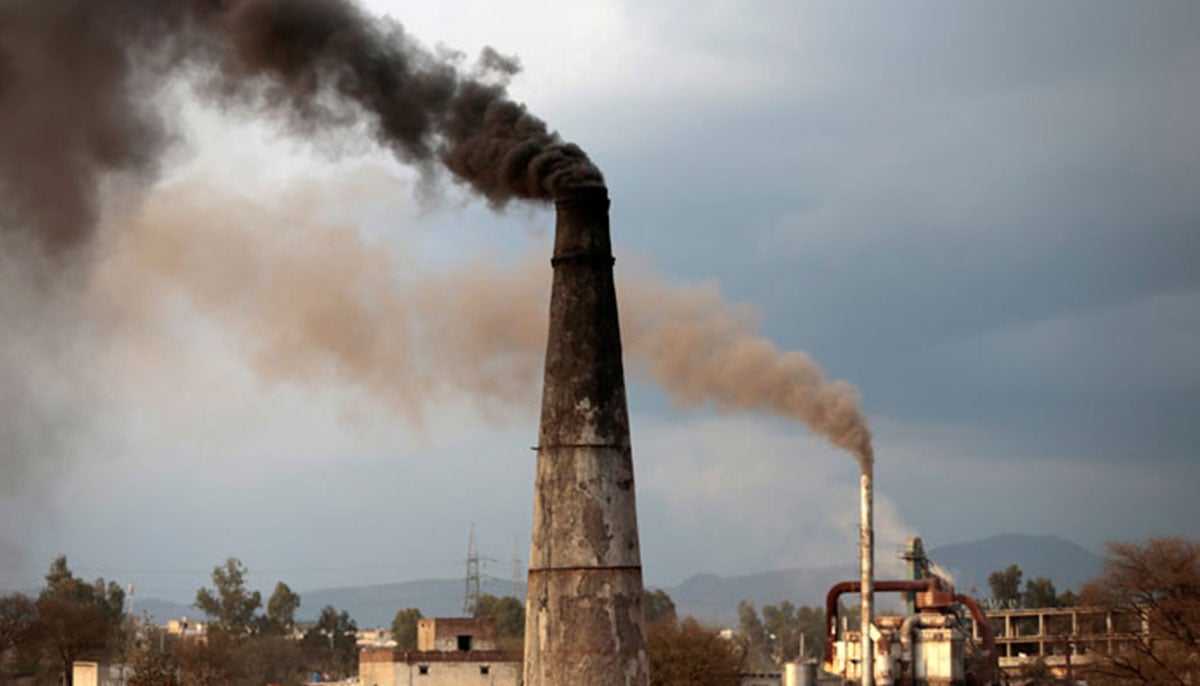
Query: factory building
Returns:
{"type": "Point", "coordinates": [450, 652]}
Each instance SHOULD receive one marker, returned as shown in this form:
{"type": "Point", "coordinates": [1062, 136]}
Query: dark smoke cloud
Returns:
{"type": "Point", "coordinates": [79, 83]}
{"type": "Point", "coordinates": [78, 80]}
{"type": "Point", "coordinates": [72, 107]}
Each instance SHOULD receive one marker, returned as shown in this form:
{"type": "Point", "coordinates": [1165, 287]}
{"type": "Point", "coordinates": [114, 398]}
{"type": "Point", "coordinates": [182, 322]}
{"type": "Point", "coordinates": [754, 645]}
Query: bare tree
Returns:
{"type": "Point", "coordinates": [1153, 592]}
{"type": "Point", "coordinates": [17, 617]}
{"type": "Point", "coordinates": [686, 653]}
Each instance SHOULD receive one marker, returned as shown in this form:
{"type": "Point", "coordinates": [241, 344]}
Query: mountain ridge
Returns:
{"type": "Point", "coordinates": [710, 597]}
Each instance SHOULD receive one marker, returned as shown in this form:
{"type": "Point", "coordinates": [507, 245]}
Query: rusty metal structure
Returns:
{"type": "Point", "coordinates": [926, 646]}
{"type": "Point", "coordinates": [585, 622]}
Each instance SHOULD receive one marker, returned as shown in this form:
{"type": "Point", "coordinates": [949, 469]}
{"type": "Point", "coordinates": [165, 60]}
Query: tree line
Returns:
{"type": "Point", "coordinates": [1005, 585]}
{"type": "Point", "coordinates": [1156, 583]}
{"type": "Point", "coordinates": [73, 620]}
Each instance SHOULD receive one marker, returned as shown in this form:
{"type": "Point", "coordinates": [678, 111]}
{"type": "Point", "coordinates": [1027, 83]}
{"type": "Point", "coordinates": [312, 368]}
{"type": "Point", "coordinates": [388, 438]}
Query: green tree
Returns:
{"type": "Point", "coordinates": [689, 654]}
{"type": "Point", "coordinates": [658, 605]}
{"type": "Point", "coordinates": [281, 610]}
{"type": "Point", "coordinates": [333, 642]}
{"type": "Point", "coordinates": [230, 608]}
{"type": "Point", "coordinates": [786, 624]}
{"type": "Point", "coordinates": [775, 638]}
{"type": "Point", "coordinates": [1006, 586]}
{"type": "Point", "coordinates": [1152, 590]}
{"type": "Point", "coordinates": [1040, 592]}
{"type": "Point", "coordinates": [811, 624]}
{"type": "Point", "coordinates": [77, 620]}
{"type": "Point", "coordinates": [755, 636]}
{"type": "Point", "coordinates": [404, 628]}
{"type": "Point", "coordinates": [508, 612]}
{"type": "Point", "coordinates": [783, 635]}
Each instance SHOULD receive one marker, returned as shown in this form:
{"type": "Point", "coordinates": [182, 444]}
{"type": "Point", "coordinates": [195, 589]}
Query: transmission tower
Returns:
{"type": "Point", "coordinates": [473, 574]}
{"type": "Point", "coordinates": [518, 569]}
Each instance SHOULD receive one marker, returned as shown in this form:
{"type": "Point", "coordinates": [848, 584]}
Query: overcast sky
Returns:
{"type": "Point", "coordinates": [983, 215]}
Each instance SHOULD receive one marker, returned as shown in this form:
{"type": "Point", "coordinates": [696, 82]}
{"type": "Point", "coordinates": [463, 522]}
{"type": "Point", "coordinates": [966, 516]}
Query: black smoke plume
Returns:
{"type": "Point", "coordinates": [78, 80]}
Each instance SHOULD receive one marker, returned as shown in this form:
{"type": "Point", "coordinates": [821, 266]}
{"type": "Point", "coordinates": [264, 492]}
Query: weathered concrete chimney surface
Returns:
{"type": "Point", "coordinates": [585, 623]}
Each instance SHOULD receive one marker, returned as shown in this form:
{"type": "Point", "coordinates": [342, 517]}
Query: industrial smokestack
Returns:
{"type": "Point", "coordinates": [867, 559]}
{"type": "Point", "coordinates": [584, 621]}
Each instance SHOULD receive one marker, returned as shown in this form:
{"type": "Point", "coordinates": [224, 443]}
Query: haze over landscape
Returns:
{"type": "Point", "coordinates": [983, 217]}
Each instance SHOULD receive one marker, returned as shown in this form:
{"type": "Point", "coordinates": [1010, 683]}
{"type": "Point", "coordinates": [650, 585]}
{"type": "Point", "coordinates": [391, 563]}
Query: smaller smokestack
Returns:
{"type": "Point", "coordinates": [867, 553]}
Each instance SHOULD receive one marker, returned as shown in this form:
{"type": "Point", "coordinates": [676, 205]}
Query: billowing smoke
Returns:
{"type": "Point", "coordinates": [699, 348]}
{"type": "Point", "coordinates": [79, 92]}
{"type": "Point", "coordinates": [315, 302]}
{"type": "Point", "coordinates": [312, 303]}
{"type": "Point", "coordinates": [78, 80]}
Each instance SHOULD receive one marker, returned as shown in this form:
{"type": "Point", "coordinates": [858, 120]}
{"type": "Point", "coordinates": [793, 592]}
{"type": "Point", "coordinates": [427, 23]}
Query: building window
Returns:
{"type": "Point", "coordinates": [483, 669]}
{"type": "Point", "coordinates": [423, 669]}
{"type": "Point", "coordinates": [464, 642]}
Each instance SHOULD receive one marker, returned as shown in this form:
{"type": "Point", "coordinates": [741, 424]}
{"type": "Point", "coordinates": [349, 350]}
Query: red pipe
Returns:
{"type": "Point", "coordinates": [986, 632]}
{"type": "Point", "coordinates": [831, 602]}
{"type": "Point", "coordinates": [929, 584]}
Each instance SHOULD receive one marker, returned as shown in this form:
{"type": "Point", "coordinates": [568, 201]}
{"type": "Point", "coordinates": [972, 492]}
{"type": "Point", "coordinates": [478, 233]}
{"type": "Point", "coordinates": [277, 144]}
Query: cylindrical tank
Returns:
{"type": "Point", "coordinates": [584, 622]}
{"type": "Point", "coordinates": [800, 673]}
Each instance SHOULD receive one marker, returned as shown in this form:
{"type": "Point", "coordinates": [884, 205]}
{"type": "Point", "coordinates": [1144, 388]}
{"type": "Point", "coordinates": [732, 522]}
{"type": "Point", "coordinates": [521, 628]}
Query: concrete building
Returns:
{"type": "Point", "coordinates": [1064, 639]}
{"type": "Point", "coordinates": [374, 638]}
{"type": "Point", "coordinates": [451, 634]}
{"type": "Point", "coordinates": [186, 628]}
{"type": "Point", "coordinates": [450, 652]}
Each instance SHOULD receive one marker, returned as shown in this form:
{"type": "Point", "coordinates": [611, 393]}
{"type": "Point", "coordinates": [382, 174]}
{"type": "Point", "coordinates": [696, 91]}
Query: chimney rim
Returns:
{"type": "Point", "coordinates": [573, 195]}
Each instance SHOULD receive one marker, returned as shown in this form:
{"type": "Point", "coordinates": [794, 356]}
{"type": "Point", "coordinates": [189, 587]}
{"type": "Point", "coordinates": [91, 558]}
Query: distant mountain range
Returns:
{"type": "Point", "coordinates": [370, 606]}
{"type": "Point", "coordinates": [1065, 563]}
{"type": "Point", "coordinates": [712, 598]}
{"type": "Point", "coordinates": [1068, 565]}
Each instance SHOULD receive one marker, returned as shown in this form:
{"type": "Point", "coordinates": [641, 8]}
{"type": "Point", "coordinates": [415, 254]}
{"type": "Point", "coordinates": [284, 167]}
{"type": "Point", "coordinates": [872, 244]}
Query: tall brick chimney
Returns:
{"type": "Point", "coordinates": [585, 622]}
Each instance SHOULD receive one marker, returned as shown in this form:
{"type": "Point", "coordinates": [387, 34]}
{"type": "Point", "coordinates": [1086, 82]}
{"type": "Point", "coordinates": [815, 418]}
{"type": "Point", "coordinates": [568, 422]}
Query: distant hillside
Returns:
{"type": "Point", "coordinates": [370, 606]}
{"type": "Point", "coordinates": [159, 611]}
{"type": "Point", "coordinates": [1065, 563]}
{"type": "Point", "coordinates": [713, 599]}
{"type": "Point", "coordinates": [376, 606]}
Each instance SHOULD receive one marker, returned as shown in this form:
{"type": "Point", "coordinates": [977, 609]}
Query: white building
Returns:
{"type": "Point", "coordinates": [451, 652]}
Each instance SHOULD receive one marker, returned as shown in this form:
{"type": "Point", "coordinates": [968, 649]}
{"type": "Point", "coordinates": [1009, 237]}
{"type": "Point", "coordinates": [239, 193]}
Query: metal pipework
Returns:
{"type": "Point", "coordinates": [991, 660]}
{"type": "Point", "coordinates": [584, 621]}
{"type": "Point", "coordinates": [930, 585]}
{"type": "Point", "coordinates": [867, 559]}
{"type": "Point", "coordinates": [930, 594]}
